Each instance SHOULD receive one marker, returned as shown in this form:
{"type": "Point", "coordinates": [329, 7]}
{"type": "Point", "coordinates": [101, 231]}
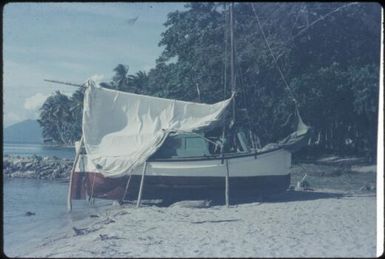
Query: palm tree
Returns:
{"type": "Point", "coordinates": [138, 83]}
{"type": "Point", "coordinates": [46, 121]}
{"type": "Point", "coordinates": [119, 80]}
{"type": "Point", "coordinates": [76, 110]}
{"type": "Point", "coordinates": [56, 120]}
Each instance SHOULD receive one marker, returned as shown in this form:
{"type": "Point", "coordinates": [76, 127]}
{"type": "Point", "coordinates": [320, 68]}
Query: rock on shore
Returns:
{"type": "Point", "coordinates": [36, 167]}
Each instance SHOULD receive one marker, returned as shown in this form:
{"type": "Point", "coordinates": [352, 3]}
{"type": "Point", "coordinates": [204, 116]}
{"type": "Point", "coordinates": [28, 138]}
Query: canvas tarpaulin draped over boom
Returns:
{"type": "Point", "coordinates": [122, 130]}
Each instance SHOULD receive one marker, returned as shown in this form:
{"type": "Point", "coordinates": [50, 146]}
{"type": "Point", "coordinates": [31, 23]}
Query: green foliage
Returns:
{"type": "Point", "coordinates": [125, 82]}
{"type": "Point", "coordinates": [330, 59]}
{"type": "Point", "coordinates": [60, 118]}
{"type": "Point", "coordinates": [328, 52]}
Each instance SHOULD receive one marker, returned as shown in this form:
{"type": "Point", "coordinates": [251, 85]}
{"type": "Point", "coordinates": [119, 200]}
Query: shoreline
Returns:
{"type": "Point", "coordinates": [340, 173]}
{"type": "Point", "coordinates": [335, 216]}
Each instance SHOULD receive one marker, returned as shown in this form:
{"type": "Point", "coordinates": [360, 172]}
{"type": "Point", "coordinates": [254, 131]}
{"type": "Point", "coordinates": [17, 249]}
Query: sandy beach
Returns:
{"type": "Point", "coordinates": [296, 224]}
{"type": "Point", "coordinates": [335, 217]}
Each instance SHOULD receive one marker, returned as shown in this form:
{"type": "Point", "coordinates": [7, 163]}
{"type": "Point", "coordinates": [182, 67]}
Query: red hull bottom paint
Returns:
{"type": "Point", "coordinates": [161, 187]}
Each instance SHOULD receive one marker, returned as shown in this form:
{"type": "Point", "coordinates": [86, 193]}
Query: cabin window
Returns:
{"type": "Point", "coordinates": [193, 143]}
{"type": "Point", "coordinates": [182, 145]}
{"type": "Point", "coordinates": [169, 148]}
{"type": "Point", "coordinates": [193, 146]}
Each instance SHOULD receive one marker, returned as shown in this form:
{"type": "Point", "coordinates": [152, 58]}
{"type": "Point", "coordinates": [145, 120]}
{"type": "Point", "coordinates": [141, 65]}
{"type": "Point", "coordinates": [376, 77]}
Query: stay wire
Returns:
{"type": "Point", "coordinates": [274, 59]}
{"type": "Point", "coordinates": [322, 18]}
{"type": "Point", "coordinates": [225, 56]}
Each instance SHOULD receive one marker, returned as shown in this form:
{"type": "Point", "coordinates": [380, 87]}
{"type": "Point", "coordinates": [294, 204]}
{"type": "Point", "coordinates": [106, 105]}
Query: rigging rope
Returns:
{"type": "Point", "coordinates": [223, 138]}
{"type": "Point", "coordinates": [295, 36]}
{"type": "Point", "coordinates": [321, 18]}
{"type": "Point", "coordinates": [274, 59]}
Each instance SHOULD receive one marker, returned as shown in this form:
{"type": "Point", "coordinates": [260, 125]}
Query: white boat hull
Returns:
{"type": "Point", "coordinates": [276, 162]}
{"type": "Point", "coordinates": [272, 163]}
{"type": "Point", "coordinates": [268, 171]}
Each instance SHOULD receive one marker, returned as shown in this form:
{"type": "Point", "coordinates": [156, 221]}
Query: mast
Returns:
{"type": "Point", "coordinates": [232, 75]}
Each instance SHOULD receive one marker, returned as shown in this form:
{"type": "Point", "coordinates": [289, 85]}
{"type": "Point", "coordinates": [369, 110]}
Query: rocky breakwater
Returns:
{"type": "Point", "coordinates": [36, 167]}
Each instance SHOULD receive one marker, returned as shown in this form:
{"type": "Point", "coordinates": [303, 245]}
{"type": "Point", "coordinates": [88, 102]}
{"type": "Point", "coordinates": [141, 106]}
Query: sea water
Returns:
{"type": "Point", "coordinates": [46, 199]}
{"type": "Point", "coordinates": [38, 149]}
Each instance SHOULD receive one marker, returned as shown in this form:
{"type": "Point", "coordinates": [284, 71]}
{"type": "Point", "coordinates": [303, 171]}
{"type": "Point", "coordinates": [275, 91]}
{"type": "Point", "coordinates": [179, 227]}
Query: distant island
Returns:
{"type": "Point", "coordinates": [27, 132]}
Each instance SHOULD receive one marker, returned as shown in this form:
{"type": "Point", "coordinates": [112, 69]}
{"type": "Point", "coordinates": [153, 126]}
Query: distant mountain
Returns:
{"type": "Point", "coordinates": [27, 131]}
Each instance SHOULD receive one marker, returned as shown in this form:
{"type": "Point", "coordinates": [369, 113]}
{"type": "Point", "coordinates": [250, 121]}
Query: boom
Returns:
{"type": "Point", "coordinates": [64, 83]}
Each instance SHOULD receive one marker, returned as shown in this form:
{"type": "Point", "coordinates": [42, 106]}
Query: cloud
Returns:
{"type": "Point", "coordinates": [34, 102]}
{"type": "Point", "coordinates": [97, 78]}
{"type": "Point", "coordinates": [147, 68]}
{"type": "Point", "coordinates": [38, 45]}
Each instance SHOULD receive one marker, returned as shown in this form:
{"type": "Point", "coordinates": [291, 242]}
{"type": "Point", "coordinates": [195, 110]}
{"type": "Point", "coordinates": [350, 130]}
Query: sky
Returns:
{"type": "Point", "coordinates": [73, 42]}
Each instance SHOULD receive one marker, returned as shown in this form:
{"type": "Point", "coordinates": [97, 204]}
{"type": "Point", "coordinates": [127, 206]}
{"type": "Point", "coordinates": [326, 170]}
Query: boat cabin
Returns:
{"type": "Point", "coordinates": [190, 145]}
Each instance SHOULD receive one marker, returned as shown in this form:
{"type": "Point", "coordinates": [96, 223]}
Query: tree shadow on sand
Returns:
{"type": "Point", "coordinates": [290, 196]}
{"type": "Point", "coordinates": [218, 199]}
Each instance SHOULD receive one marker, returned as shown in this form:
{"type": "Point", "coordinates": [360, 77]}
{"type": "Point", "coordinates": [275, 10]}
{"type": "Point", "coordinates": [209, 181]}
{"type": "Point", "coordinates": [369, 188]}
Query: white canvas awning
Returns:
{"type": "Point", "coordinates": [122, 130]}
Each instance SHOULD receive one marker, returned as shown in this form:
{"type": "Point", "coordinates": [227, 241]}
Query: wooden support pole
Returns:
{"type": "Point", "coordinates": [69, 198]}
{"type": "Point", "coordinates": [126, 189]}
{"type": "Point", "coordinates": [227, 183]}
{"type": "Point", "coordinates": [91, 199]}
{"type": "Point", "coordinates": [141, 185]}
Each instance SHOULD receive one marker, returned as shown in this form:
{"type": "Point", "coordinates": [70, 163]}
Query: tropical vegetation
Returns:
{"type": "Point", "coordinates": [328, 54]}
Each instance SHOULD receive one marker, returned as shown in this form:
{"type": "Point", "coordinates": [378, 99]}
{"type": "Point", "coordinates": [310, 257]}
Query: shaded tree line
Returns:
{"type": "Point", "coordinates": [328, 52]}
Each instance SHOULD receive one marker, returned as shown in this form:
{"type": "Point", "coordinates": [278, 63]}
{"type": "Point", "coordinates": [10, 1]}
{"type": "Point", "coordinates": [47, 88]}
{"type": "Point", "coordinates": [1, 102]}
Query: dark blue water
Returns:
{"type": "Point", "coordinates": [38, 149]}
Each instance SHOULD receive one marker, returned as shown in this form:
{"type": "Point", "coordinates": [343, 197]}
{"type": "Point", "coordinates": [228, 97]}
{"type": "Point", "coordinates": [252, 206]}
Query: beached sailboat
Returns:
{"type": "Point", "coordinates": [135, 146]}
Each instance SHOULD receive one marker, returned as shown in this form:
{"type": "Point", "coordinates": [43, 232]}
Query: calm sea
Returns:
{"type": "Point", "coordinates": [47, 199]}
{"type": "Point", "coordinates": [38, 149]}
